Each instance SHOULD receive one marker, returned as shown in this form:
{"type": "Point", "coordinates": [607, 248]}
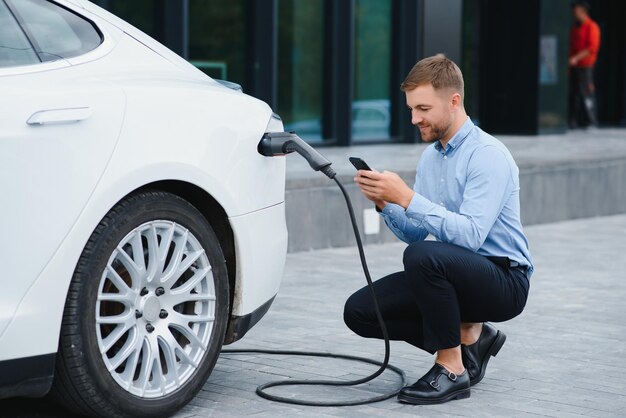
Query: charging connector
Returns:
{"type": "Point", "coordinates": [281, 143]}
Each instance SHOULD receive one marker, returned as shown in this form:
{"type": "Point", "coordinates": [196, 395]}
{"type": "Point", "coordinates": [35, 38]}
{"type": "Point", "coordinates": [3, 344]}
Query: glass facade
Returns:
{"type": "Point", "coordinates": [310, 40]}
{"type": "Point", "coordinates": [331, 68]}
{"type": "Point", "coordinates": [217, 38]}
{"type": "Point", "coordinates": [371, 110]}
{"type": "Point", "coordinates": [301, 66]}
{"type": "Point", "coordinates": [553, 69]}
{"type": "Point", "coordinates": [143, 14]}
{"type": "Point", "coordinates": [470, 62]}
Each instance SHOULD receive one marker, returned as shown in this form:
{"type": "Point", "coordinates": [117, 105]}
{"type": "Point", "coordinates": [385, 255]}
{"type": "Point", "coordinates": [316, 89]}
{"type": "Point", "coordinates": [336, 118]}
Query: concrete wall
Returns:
{"type": "Point", "coordinates": [573, 190]}
{"type": "Point", "coordinates": [318, 218]}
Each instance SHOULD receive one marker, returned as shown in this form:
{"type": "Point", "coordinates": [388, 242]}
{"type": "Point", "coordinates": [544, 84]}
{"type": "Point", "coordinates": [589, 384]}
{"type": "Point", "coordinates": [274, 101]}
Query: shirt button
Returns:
{"type": "Point", "coordinates": [442, 180]}
{"type": "Point", "coordinates": [445, 157]}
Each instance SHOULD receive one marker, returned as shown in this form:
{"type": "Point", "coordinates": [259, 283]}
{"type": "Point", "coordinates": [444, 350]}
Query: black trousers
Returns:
{"type": "Point", "coordinates": [582, 98]}
{"type": "Point", "coordinates": [441, 286]}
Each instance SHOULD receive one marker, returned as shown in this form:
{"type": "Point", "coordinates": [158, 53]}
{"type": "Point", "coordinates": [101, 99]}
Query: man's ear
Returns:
{"type": "Point", "coordinates": [456, 101]}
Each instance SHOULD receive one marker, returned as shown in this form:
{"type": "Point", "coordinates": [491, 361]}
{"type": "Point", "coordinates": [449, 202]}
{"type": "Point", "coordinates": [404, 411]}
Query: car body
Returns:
{"type": "Point", "coordinates": [84, 132]}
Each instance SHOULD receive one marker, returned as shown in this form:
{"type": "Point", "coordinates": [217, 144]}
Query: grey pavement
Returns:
{"type": "Point", "coordinates": [564, 355]}
{"type": "Point", "coordinates": [578, 174]}
{"type": "Point", "coordinates": [574, 148]}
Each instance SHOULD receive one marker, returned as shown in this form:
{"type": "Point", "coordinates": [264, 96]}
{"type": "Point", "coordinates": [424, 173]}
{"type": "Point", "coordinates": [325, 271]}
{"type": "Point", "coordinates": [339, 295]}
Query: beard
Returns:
{"type": "Point", "coordinates": [433, 132]}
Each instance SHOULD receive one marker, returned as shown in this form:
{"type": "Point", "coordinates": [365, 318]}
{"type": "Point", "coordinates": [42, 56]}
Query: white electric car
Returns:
{"type": "Point", "coordinates": [141, 229]}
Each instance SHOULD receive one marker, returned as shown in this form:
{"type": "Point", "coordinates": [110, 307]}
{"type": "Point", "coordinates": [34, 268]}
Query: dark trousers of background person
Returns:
{"type": "Point", "coordinates": [582, 98]}
{"type": "Point", "coordinates": [441, 286]}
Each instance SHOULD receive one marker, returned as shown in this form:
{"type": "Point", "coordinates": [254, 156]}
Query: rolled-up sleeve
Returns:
{"type": "Point", "coordinates": [404, 228]}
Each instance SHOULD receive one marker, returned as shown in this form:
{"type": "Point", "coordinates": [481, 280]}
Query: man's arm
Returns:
{"type": "Point", "coordinates": [403, 227]}
{"type": "Point", "coordinates": [574, 59]}
{"type": "Point", "coordinates": [393, 214]}
{"type": "Point", "coordinates": [488, 186]}
{"type": "Point", "coordinates": [593, 45]}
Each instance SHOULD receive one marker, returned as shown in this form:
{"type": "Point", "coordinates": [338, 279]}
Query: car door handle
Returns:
{"type": "Point", "coordinates": [56, 116]}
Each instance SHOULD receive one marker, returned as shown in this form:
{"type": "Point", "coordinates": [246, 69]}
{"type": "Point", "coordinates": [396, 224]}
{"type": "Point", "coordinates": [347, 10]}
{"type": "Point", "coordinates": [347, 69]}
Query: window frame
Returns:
{"type": "Point", "coordinates": [19, 25]}
{"type": "Point", "coordinates": [107, 33]}
{"type": "Point", "coordinates": [33, 40]}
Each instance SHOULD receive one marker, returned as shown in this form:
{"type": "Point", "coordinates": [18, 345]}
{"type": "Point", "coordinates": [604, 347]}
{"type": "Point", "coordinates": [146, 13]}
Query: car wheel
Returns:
{"type": "Point", "coordinates": [146, 311]}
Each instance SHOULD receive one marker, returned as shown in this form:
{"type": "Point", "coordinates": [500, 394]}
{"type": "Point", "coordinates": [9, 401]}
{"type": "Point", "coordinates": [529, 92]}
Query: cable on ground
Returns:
{"type": "Point", "coordinates": [261, 390]}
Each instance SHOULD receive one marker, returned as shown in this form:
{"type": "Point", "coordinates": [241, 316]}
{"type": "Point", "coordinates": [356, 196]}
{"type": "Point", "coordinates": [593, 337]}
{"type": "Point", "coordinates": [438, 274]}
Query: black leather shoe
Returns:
{"type": "Point", "coordinates": [476, 356]}
{"type": "Point", "coordinates": [437, 386]}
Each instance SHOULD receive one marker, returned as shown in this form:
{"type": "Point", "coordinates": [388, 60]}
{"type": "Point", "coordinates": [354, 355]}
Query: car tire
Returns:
{"type": "Point", "coordinates": [146, 311]}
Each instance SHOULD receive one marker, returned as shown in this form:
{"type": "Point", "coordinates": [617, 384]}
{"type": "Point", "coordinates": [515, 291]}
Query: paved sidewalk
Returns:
{"type": "Point", "coordinates": [575, 147]}
{"type": "Point", "coordinates": [564, 355]}
{"type": "Point", "coordinates": [575, 175]}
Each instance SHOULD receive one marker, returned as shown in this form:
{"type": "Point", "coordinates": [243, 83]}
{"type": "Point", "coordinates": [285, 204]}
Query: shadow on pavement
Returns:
{"type": "Point", "coordinates": [33, 408]}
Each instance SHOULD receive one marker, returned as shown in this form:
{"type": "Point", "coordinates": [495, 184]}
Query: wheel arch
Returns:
{"type": "Point", "coordinates": [214, 213]}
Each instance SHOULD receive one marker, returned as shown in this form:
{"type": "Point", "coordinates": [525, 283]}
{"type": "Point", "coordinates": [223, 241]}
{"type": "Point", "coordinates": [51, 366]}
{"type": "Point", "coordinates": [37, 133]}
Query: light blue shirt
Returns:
{"type": "Point", "coordinates": [466, 194]}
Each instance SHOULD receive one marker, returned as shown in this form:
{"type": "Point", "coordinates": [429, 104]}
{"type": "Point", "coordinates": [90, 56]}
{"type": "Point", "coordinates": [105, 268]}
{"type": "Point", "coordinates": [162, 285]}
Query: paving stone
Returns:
{"type": "Point", "coordinates": [573, 328]}
{"type": "Point", "coordinates": [564, 355]}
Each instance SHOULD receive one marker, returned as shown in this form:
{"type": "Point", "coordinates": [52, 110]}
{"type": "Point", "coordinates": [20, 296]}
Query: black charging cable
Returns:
{"type": "Point", "coordinates": [261, 390]}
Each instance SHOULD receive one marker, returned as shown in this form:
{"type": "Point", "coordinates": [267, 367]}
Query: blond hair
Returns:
{"type": "Point", "coordinates": [439, 71]}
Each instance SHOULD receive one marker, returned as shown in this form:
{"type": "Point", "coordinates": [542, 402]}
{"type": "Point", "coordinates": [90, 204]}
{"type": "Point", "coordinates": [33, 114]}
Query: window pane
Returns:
{"type": "Point", "coordinates": [140, 13]}
{"type": "Point", "coordinates": [56, 32]}
{"type": "Point", "coordinates": [300, 66]}
{"type": "Point", "coordinates": [217, 33]}
{"type": "Point", "coordinates": [470, 62]}
{"type": "Point", "coordinates": [14, 47]}
{"type": "Point", "coordinates": [371, 106]}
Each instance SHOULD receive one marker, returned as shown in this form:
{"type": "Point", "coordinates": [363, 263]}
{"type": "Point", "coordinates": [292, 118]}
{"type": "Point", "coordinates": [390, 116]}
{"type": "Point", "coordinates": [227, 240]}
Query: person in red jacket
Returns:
{"type": "Point", "coordinates": [583, 51]}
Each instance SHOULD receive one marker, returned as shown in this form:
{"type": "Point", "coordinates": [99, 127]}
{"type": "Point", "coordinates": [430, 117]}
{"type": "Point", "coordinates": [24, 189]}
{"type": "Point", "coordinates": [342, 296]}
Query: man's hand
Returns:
{"type": "Point", "coordinates": [384, 187]}
{"type": "Point", "coordinates": [574, 59]}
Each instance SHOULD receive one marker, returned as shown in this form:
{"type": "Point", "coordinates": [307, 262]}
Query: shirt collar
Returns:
{"type": "Point", "coordinates": [459, 136]}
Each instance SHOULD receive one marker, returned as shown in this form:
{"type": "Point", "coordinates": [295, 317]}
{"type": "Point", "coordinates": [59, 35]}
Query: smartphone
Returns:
{"type": "Point", "coordinates": [359, 164]}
